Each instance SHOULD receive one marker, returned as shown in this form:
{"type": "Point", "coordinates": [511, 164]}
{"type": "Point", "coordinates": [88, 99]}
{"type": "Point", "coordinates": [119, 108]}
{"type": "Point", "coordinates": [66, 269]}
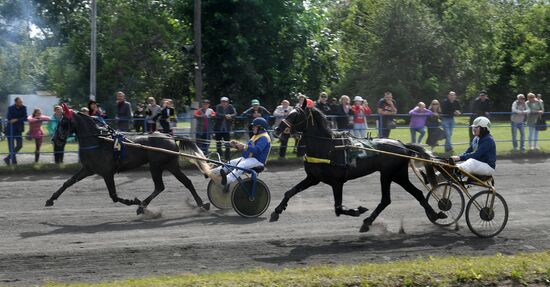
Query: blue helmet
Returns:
{"type": "Point", "coordinates": [260, 122]}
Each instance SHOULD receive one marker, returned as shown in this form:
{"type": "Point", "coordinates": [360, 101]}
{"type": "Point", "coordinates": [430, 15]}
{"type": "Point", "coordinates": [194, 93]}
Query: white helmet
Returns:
{"type": "Point", "coordinates": [482, 122]}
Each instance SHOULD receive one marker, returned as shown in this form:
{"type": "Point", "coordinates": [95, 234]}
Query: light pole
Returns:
{"type": "Point", "coordinates": [93, 52]}
{"type": "Point", "coordinates": [198, 48]}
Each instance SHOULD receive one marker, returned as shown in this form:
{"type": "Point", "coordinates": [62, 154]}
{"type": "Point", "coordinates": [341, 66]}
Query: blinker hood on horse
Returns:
{"type": "Point", "coordinates": [325, 163]}
{"type": "Point", "coordinates": [96, 157]}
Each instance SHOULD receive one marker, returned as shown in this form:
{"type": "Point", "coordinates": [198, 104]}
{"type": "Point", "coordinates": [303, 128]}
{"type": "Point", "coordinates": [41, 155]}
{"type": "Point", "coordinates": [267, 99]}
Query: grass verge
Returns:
{"type": "Point", "coordinates": [497, 270]}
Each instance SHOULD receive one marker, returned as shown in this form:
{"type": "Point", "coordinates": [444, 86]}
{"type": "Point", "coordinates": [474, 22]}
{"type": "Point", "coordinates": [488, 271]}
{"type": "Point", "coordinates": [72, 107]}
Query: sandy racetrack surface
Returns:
{"type": "Point", "coordinates": [85, 237]}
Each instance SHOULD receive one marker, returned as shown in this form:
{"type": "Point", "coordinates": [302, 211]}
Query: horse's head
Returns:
{"type": "Point", "coordinates": [74, 122]}
{"type": "Point", "coordinates": [65, 127]}
{"type": "Point", "coordinates": [295, 122]}
{"type": "Point", "coordinates": [304, 119]}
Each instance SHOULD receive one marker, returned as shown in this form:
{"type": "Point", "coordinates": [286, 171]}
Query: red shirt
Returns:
{"type": "Point", "coordinates": [359, 113]}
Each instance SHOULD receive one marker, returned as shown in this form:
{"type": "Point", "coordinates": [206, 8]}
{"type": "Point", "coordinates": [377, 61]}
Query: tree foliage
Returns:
{"type": "Point", "coordinates": [272, 49]}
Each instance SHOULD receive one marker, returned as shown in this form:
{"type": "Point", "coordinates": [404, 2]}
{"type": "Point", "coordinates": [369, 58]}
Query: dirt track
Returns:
{"type": "Point", "coordinates": [86, 238]}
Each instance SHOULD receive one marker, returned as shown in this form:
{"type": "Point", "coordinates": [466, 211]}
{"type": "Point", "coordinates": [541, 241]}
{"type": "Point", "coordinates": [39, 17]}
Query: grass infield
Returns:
{"type": "Point", "coordinates": [498, 270]}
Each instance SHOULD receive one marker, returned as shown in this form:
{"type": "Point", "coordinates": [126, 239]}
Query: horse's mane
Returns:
{"type": "Point", "coordinates": [321, 121]}
{"type": "Point", "coordinates": [88, 123]}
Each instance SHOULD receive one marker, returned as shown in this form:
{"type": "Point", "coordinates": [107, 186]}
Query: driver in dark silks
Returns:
{"type": "Point", "coordinates": [480, 157]}
{"type": "Point", "coordinates": [255, 152]}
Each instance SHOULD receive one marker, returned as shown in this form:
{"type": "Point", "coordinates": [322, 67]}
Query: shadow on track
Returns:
{"type": "Point", "coordinates": [377, 244]}
{"type": "Point", "coordinates": [140, 224]}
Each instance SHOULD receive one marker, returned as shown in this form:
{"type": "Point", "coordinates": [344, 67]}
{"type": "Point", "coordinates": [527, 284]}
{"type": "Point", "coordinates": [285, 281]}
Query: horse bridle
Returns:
{"type": "Point", "coordinates": [310, 115]}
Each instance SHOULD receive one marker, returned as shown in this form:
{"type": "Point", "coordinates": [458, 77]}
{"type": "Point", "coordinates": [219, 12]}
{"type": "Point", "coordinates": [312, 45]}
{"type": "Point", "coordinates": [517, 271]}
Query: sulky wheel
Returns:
{"type": "Point", "coordinates": [247, 206]}
{"type": "Point", "coordinates": [447, 198]}
{"type": "Point", "coordinates": [486, 214]}
{"type": "Point", "coordinates": [218, 196]}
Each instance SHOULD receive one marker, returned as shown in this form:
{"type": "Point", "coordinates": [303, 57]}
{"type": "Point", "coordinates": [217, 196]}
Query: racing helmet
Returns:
{"type": "Point", "coordinates": [482, 122]}
{"type": "Point", "coordinates": [261, 122]}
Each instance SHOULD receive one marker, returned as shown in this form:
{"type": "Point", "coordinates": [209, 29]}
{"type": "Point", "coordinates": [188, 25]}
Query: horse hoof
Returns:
{"type": "Point", "coordinates": [274, 217]}
{"type": "Point", "coordinates": [441, 215]}
{"type": "Point", "coordinates": [49, 202]}
{"type": "Point", "coordinates": [140, 210]}
{"type": "Point", "coordinates": [364, 228]}
{"type": "Point", "coordinates": [206, 206]}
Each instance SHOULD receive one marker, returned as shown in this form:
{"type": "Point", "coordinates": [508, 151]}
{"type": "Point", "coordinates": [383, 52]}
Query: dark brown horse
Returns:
{"type": "Point", "coordinates": [328, 165]}
{"type": "Point", "coordinates": [96, 157]}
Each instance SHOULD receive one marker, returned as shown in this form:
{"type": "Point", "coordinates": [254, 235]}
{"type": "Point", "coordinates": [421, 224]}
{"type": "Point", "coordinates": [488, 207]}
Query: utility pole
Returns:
{"type": "Point", "coordinates": [93, 52]}
{"type": "Point", "coordinates": [198, 54]}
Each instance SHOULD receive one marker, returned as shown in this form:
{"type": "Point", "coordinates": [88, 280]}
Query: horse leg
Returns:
{"type": "Point", "coordinates": [110, 182]}
{"type": "Point", "coordinates": [403, 180]}
{"type": "Point", "coordinates": [176, 171]}
{"type": "Point", "coordinates": [304, 184]}
{"type": "Point", "coordinates": [385, 181]}
{"type": "Point", "coordinates": [339, 209]}
{"type": "Point", "coordinates": [80, 175]}
{"type": "Point", "coordinates": [156, 173]}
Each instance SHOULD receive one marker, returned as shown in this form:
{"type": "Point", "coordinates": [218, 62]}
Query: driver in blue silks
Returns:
{"type": "Point", "coordinates": [480, 158]}
{"type": "Point", "coordinates": [255, 152]}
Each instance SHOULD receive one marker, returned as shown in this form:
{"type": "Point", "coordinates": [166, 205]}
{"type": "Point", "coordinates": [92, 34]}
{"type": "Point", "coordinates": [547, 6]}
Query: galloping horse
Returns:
{"type": "Point", "coordinates": [96, 157]}
{"type": "Point", "coordinates": [324, 163]}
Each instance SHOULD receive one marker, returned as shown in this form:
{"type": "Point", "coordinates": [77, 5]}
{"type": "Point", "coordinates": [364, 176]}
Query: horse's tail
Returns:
{"type": "Point", "coordinates": [425, 154]}
{"type": "Point", "coordinates": [186, 145]}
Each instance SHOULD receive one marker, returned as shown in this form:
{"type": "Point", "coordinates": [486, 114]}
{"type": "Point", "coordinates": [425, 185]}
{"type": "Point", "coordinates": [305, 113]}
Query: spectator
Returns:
{"type": "Point", "coordinates": [139, 118]}
{"type": "Point", "coordinates": [322, 104]}
{"type": "Point", "coordinates": [387, 108]}
{"type": "Point", "coordinates": [301, 98]}
{"type": "Point", "coordinates": [435, 132]}
{"type": "Point", "coordinates": [58, 149]}
{"type": "Point", "coordinates": [123, 112]}
{"type": "Point", "coordinates": [343, 113]}
{"type": "Point", "coordinates": [2, 136]}
{"type": "Point", "coordinates": [280, 113]}
{"type": "Point", "coordinates": [35, 130]}
{"type": "Point", "coordinates": [164, 116]}
{"type": "Point", "coordinates": [419, 115]}
{"type": "Point", "coordinates": [536, 110]}
{"type": "Point", "coordinates": [256, 111]}
{"type": "Point", "coordinates": [519, 114]}
{"type": "Point", "coordinates": [204, 126]}
{"type": "Point", "coordinates": [152, 111]}
{"type": "Point", "coordinates": [17, 115]}
{"type": "Point", "coordinates": [225, 114]}
{"type": "Point", "coordinates": [360, 111]}
{"type": "Point", "coordinates": [480, 107]}
{"type": "Point", "coordinates": [172, 115]}
{"type": "Point", "coordinates": [299, 148]}
{"type": "Point", "coordinates": [539, 98]}
{"type": "Point", "coordinates": [95, 111]}
{"type": "Point", "coordinates": [449, 109]}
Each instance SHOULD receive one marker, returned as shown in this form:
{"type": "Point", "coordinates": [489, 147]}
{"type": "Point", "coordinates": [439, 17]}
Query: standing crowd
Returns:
{"type": "Point", "coordinates": [217, 122]}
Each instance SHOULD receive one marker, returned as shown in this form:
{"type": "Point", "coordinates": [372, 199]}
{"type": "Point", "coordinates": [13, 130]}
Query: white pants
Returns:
{"type": "Point", "coordinates": [240, 162]}
{"type": "Point", "coordinates": [476, 167]}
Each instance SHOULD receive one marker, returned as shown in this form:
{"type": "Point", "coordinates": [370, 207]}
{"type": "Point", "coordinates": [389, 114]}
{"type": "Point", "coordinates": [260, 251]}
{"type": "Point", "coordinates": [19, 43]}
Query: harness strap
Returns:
{"type": "Point", "coordinates": [310, 159]}
{"type": "Point", "coordinates": [88, 147]}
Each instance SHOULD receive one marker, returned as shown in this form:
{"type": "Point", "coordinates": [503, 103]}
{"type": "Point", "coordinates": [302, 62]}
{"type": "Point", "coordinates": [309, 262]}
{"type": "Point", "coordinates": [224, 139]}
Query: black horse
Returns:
{"type": "Point", "coordinates": [324, 163]}
{"type": "Point", "coordinates": [96, 157]}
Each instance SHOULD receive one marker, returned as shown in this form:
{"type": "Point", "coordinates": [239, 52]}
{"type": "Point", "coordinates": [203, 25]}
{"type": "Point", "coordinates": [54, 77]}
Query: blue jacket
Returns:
{"type": "Point", "coordinates": [258, 147]}
{"type": "Point", "coordinates": [483, 149]}
{"type": "Point", "coordinates": [16, 113]}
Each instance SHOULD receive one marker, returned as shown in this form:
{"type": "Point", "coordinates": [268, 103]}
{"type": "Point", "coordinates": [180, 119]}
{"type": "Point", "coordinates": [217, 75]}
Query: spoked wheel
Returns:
{"type": "Point", "coordinates": [486, 214]}
{"type": "Point", "coordinates": [247, 206]}
{"type": "Point", "coordinates": [218, 196]}
{"type": "Point", "coordinates": [447, 198]}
